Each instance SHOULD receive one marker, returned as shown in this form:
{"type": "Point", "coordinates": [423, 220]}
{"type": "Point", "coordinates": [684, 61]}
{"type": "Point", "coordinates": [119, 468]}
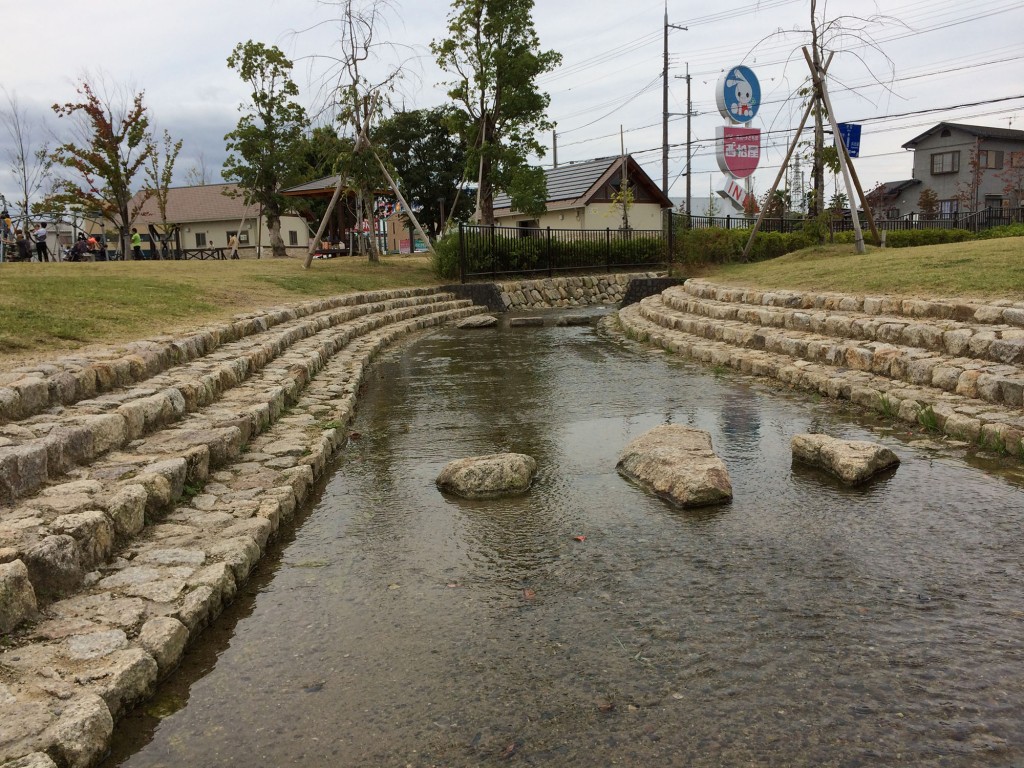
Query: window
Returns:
{"type": "Point", "coordinates": [243, 237]}
{"type": "Point", "coordinates": [949, 207]}
{"type": "Point", "coordinates": [990, 159]}
{"type": "Point", "coordinates": [293, 237]}
{"type": "Point", "coordinates": [993, 201]}
{"type": "Point", "coordinates": [892, 213]}
{"type": "Point", "coordinates": [945, 162]}
{"type": "Point", "coordinates": [200, 239]}
{"type": "Point", "coordinates": [1017, 159]}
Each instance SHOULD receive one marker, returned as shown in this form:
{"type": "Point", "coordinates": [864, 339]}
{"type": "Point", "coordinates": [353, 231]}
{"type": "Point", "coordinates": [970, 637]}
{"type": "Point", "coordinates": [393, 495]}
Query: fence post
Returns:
{"type": "Point", "coordinates": [494, 252]}
{"type": "Point", "coordinates": [608, 248]}
{"type": "Point", "coordinates": [728, 221]}
{"type": "Point", "coordinates": [671, 240]}
{"type": "Point", "coordinates": [551, 272]}
{"type": "Point", "coordinates": [462, 252]}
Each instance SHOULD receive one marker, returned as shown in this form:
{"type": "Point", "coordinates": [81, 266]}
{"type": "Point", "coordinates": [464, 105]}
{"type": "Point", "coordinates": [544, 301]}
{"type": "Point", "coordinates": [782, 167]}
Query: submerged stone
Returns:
{"type": "Point", "coordinates": [678, 464]}
{"type": "Point", "coordinates": [477, 321]}
{"type": "Point", "coordinates": [852, 461]}
{"type": "Point", "coordinates": [486, 477]}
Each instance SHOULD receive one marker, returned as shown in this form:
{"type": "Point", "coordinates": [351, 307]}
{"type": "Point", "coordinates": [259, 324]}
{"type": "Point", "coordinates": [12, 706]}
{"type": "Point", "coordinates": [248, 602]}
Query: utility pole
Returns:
{"type": "Point", "coordinates": [664, 103]}
{"type": "Point", "coordinates": [554, 148]}
{"type": "Point", "coordinates": [689, 139]}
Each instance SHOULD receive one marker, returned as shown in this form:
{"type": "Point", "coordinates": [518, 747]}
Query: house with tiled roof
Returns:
{"type": "Point", "coordinates": [581, 196]}
{"type": "Point", "coordinates": [207, 216]}
{"type": "Point", "coordinates": [970, 168]}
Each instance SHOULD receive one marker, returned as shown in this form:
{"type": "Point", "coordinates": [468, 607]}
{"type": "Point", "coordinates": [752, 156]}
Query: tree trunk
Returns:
{"type": "Point", "coordinates": [372, 249]}
{"type": "Point", "coordinates": [278, 251]}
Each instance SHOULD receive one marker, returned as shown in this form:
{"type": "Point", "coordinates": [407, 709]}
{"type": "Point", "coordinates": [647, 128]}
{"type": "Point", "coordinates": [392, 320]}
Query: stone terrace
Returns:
{"type": "Point", "coordinates": [140, 486]}
{"type": "Point", "coordinates": [955, 367]}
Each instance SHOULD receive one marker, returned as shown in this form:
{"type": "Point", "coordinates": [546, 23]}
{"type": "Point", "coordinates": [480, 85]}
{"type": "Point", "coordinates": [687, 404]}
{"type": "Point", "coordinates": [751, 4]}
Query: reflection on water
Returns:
{"type": "Point", "coordinates": [803, 624]}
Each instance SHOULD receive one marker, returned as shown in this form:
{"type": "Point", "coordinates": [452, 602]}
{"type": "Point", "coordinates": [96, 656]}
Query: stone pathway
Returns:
{"type": "Point", "coordinates": [954, 367]}
{"type": "Point", "coordinates": [139, 488]}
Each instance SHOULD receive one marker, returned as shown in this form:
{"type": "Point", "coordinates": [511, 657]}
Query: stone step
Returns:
{"type": "Point", "coordinates": [94, 655]}
{"type": "Point", "coordinates": [997, 383]}
{"type": "Point", "coordinates": [30, 389]}
{"type": "Point", "coordinates": [70, 527]}
{"type": "Point", "coordinates": [994, 312]}
{"type": "Point", "coordinates": [998, 427]}
{"type": "Point", "coordinates": [999, 343]}
{"type": "Point", "coordinates": [47, 446]}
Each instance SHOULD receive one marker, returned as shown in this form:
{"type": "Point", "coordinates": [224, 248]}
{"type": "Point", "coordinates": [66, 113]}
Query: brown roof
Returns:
{"type": "Point", "coordinates": [186, 205]}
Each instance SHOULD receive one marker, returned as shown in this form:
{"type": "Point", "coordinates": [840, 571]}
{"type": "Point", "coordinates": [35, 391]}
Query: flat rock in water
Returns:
{"type": "Point", "coordinates": [477, 321]}
{"type": "Point", "coordinates": [488, 477]}
{"type": "Point", "coordinates": [852, 461]}
{"type": "Point", "coordinates": [678, 464]}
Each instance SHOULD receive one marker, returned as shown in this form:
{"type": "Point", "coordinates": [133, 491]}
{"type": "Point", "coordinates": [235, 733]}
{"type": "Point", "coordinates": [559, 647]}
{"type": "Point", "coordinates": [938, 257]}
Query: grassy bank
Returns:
{"type": "Point", "coordinates": [49, 309]}
{"type": "Point", "coordinates": [982, 269]}
{"type": "Point", "coordinates": [46, 309]}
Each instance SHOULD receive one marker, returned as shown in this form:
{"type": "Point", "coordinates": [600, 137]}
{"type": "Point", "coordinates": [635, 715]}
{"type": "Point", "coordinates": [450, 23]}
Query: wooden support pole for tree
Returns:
{"type": "Point", "coordinates": [323, 222]}
{"type": "Point", "coordinates": [782, 170]}
{"type": "Point", "coordinates": [405, 205]}
{"type": "Point", "coordinates": [858, 235]}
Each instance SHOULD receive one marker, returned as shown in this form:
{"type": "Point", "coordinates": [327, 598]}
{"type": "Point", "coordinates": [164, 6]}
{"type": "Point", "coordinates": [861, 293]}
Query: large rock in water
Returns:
{"type": "Point", "coordinates": [679, 464]}
{"type": "Point", "coordinates": [488, 477]}
{"type": "Point", "coordinates": [852, 461]}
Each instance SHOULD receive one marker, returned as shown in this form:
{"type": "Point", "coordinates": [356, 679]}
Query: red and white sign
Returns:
{"type": "Point", "coordinates": [739, 150]}
{"type": "Point", "coordinates": [738, 196]}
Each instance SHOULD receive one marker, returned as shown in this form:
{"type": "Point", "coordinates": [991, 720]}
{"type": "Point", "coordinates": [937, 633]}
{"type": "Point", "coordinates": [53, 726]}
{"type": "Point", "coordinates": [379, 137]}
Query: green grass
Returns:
{"type": "Point", "coordinates": [978, 269]}
{"type": "Point", "coordinates": [51, 308]}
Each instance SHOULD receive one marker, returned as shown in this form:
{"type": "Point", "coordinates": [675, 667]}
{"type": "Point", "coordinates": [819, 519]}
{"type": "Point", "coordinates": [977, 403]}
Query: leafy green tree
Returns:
{"type": "Point", "coordinates": [928, 203]}
{"type": "Point", "coordinates": [494, 55]}
{"type": "Point", "coordinates": [112, 143]}
{"type": "Point", "coordinates": [264, 147]}
{"type": "Point", "coordinates": [429, 161]}
{"type": "Point", "coordinates": [160, 174]}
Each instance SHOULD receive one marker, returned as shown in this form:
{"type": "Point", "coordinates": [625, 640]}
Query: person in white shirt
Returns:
{"type": "Point", "coordinates": [42, 248]}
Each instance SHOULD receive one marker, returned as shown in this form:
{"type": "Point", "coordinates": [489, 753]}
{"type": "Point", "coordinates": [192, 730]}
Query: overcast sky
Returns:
{"type": "Point", "coordinates": [931, 60]}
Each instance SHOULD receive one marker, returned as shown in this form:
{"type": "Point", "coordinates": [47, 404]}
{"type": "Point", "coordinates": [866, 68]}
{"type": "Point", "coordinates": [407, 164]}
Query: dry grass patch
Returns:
{"type": "Point", "coordinates": [47, 309]}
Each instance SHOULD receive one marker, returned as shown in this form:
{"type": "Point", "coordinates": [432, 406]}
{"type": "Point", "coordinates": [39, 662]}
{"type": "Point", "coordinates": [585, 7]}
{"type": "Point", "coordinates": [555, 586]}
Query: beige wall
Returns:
{"type": "Point", "coordinates": [595, 216]}
{"type": "Point", "coordinates": [216, 233]}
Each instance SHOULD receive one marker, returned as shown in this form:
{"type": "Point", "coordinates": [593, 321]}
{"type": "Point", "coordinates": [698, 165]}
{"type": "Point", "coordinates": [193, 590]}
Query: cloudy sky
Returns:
{"type": "Point", "coordinates": [900, 67]}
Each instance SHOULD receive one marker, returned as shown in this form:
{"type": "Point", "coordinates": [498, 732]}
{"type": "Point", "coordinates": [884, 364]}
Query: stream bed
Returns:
{"type": "Point", "coordinates": [589, 624]}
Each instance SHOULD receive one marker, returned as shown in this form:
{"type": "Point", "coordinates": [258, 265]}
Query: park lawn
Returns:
{"type": "Point", "coordinates": [47, 309]}
{"type": "Point", "coordinates": [979, 269]}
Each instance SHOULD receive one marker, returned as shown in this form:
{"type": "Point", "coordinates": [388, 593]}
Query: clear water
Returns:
{"type": "Point", "coordinates": [804, 624]}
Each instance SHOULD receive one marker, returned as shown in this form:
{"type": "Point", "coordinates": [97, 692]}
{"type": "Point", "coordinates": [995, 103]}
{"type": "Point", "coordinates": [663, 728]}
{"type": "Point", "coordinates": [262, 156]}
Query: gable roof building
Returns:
{"type": "Point", "coordinates": [208, 215]}
{"type": "Point", "coordinates": [968, 167]}
{"type": "Point", "coordinates": [579, 196]}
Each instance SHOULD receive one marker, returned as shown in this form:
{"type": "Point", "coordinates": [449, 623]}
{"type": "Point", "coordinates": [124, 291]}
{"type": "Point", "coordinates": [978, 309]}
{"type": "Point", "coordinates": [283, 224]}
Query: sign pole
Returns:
{"type": "Point", "coordinates": [782, 169]}
{"type": "Point", "coordinates": [858, 235]}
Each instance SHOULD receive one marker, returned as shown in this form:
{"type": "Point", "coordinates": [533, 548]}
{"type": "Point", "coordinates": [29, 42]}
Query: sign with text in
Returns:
{"type": "Point", "coordinates": [739, 150]}
{"type": "Point", "coordinates": [738, 94]}
{"type": "Point", "coordinates": [851, 138]}
{"type": "Point", "coordinates": [737, 195]}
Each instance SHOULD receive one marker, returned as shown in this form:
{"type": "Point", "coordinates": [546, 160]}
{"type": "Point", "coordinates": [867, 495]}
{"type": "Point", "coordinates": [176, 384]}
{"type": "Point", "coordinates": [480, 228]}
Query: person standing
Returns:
{"type": "Point", "coordinates": [233, 246]}
{"type": "Point", "coordinates": [136, 245]}
{"type": "Point", "coordinates": [42, 247]}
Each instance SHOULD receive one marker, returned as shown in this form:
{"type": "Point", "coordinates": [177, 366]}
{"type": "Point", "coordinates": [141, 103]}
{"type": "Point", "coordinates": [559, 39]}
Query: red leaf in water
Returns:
{"type": "Point", "coordinates": [510, 750]}
{"type": "Point", "coordinates": [355, 435]}
{"type": "Point", "coordinates": [529, 594]}
{"type": "Point", "coordinates": [580, 538]}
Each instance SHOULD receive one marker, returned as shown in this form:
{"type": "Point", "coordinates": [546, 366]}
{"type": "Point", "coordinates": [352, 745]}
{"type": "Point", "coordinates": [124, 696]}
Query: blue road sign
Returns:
{"type": "Point", "coordinates": [851, 137]}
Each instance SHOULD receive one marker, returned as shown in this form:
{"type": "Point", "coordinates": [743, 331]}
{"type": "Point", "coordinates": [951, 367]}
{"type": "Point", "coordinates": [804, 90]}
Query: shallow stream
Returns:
{"type": "Point", "coordinates": [589, 624]}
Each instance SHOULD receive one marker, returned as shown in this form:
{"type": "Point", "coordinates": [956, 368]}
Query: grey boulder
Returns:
{"type": "Point", "coordinates": [678, 464]}
{"type": "Point", "coordinates": [486, 477]}
{"type": "Point", "coordinates": [852, 461]}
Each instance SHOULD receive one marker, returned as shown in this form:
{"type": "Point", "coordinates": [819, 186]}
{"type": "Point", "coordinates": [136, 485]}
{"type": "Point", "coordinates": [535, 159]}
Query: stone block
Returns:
{"type": "Point", "coordinates": [23, 469]}
{"type": "Point", "coordinates": [17, 598]}
{"type": "Point", "coordinates": [81, 735]}
{"type": "Point", "coordinates": [164, 638]}
{"type": "Point", "coordinates": [127, 509]}
{"type": "Point", "coordinates": [852, 461]}
{"type": "Point", "coordinates": [94, 533]}
{"type": "Point", "coordinates": [54, 566]}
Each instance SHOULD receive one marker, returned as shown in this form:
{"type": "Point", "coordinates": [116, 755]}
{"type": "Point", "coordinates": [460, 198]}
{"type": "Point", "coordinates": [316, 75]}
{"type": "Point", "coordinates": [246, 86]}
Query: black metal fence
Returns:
{"type": "Point", "coordinates": [491, 251]}
{"type": "Point", "coordinates": [973, 222]}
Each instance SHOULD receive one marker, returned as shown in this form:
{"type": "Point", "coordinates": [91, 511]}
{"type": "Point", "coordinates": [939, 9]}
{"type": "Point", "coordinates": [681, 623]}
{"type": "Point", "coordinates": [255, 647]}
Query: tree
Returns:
{"type": "Point", "coordinates": [928, 203]}
{"type": "Point", "coordinates": [198, 175]}
{"type": "Point", "coordinates": [967, 191]}
{"type": "Point", "coordinates": [111, 143]}
{"type": "Point", "coordinates": [30, 161]}
{"type": "Point", "coordinates": [429, 161]}
{"type": "Point", "coordinates": [264, 146]}
{"type": "Point", "coordinates": [494, 54]}
{"type": "Point", "coordinates": [160, 173]}
{"type": "Point", "coordinates": [1012, 177]}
